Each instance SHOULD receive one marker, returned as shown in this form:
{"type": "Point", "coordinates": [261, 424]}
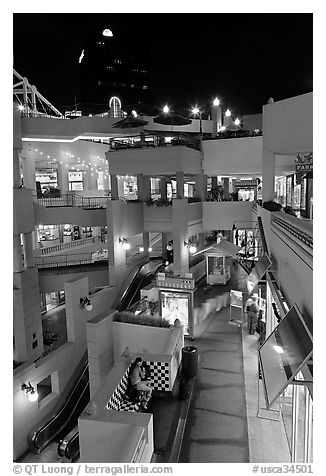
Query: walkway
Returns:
{"type": "Point", "coordinates": [217, 429]}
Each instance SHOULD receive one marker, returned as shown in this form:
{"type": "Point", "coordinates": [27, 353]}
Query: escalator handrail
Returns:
{"type": "Point", "coordinates": [59, 414]}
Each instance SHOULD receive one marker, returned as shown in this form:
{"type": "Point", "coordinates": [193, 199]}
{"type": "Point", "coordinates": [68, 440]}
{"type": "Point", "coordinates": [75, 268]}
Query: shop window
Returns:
{"type": "Point", "coordinates": [44, 388]}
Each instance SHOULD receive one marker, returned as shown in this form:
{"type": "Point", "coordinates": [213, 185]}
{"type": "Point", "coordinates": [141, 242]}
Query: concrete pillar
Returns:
{"type": "Point", "coordinates": [164, 245]}
{"type": "Point", "coordinates": [180, 184]}
{"type": "Point", "coordinates": [201, 241]}
{"type": "Point", "coordinates": [268, 175]}
{"type": "Point", "coordinates": [27, 316]}
{"type": "Point", "coordinates": [214, 183]}
{"type": "Point", "coordinates": [116, 230]}
{"type": "Point", "coordinates": [114, 187]}
{"type": "Point", "coordinates": [201, 187]}
{"type": "Point", "coordinates": [180, 235]}
{"type": "Point", "coordinates": [28, 250]}
{"type": "Point", "coordinates": [163, 187]}
{"type": "Point", "coordinates": [146, 244]}
{"type": "Point", "coordinates": [63, 178]}
{"type": "Point", "coordinates": [16, 169]}
{"type": "Point", "coordinates": [217, 119]}
{"type": "Point", "coordinates": [92, 178]}
{"type": "Point", "coordinates": [143, 187]}
{"type": "Point", "coordinates": [226, 188]}
{"type": "Point", "coordinates": [36, 244]}
{"type": "Point", "coordinates": [17, 254]}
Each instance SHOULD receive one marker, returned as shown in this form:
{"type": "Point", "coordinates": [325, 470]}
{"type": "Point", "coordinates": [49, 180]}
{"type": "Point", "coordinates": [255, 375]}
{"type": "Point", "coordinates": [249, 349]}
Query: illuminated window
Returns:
{"type": "Point", "coordinates": [145, 87]}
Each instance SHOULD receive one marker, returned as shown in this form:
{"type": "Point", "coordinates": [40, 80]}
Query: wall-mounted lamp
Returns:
{"type": "Point", "coordinates": [169, 246]}
{"type": "Point", "coordinates": [141, 249]}
{"type": "Point", "coordinates": [150, 249]}
{"type": "Point", "coordinates": [86, 303]}
{"type": "Point", "coordinates": [124, 243]}
{"type": "Point", "coordinates": [30, 391]}
{"type": "Point", "coordinates": [191, 246]}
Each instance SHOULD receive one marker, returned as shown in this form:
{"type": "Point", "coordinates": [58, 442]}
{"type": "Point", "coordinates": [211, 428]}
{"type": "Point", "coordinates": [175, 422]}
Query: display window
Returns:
{"type": "Point", "coordinates": [47, 178]}
{"type": "Point", "coordinates": [174, 306]}
{"type": "Point", "coordinates": [75, 180]}
{"type": "Point", "coordinates": [48, 232]}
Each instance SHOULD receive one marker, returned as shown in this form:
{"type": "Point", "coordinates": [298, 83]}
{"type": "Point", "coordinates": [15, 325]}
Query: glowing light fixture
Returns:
{"type": "Point", "coordinates": [166, 109]}
{"type": "Point", "coordinates": [228, 113]}
{"type": "Point", "coordinates": [141, 249]}
{"type": "Point", "coordinates": [134, 113]}
{"type": "Point", "coordinates": [124, 243]}
{"type": "Point", "coordinates": [191, 246]}
{"type": "Point", "coordinates": [222, 128]}
{"type": "Point", "coordinates": [86, 303]}
{"type": "Point", "coordinates": [195, 110]}
{"type": "Point", "coordinates": [107, 32]}
{"type": "Point", "coordinates": [237, 122]}
{"type": "Point", "coordinates": [150, 249]}
{"type": "Point", "coordinates": [30, 391]}
{"type": "Point", "coordinates": [278, 349]}
{"type": "Point", "coordinates": [216, 102]}
{"type": "Point", "coordinates": [82, 54]}
{"type": "Point", "coordinates": [21, 107]}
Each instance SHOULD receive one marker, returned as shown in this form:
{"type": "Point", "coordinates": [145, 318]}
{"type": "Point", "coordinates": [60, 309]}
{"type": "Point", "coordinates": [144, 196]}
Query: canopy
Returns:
{"type": "Point", "coordinates": [223, 247]}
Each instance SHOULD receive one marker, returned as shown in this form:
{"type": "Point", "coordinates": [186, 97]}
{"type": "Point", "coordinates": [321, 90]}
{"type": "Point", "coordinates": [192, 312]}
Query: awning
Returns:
{"type": "Point", "coordinates": [223, 247]}
{"type": "Point", "coordinates": [283, 355]}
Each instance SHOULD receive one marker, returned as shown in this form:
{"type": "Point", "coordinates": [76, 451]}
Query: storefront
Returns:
{"type": "Point", "coordinates": [286, 367]}
{"type": "Point", "coordinates": [48, 233]}
{"type": "Point", "coordinates": [247, 190]}
{"type": "Point", "coordinates": [52, 300]}
{"type": "Point", "coordinates": [47, 179]}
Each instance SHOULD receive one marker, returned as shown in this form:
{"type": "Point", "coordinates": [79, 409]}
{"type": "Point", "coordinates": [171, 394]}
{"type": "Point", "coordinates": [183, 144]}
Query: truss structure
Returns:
{"type": "Point", "coordinates": [30, 101]}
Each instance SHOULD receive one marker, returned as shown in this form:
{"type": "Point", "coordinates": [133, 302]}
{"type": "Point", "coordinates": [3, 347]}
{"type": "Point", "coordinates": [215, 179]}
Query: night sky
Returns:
{"type": "Point", "coordinates": [244, 59]}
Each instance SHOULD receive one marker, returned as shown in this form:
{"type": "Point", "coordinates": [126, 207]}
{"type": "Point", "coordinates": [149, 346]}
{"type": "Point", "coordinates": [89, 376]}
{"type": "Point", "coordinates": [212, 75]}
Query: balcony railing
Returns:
{"type": "Point", "coordinates": [71, 244]}
{"type": "Point", "coordinates": [57, 261]}
{"type": "Point", "coordinates": [294, 230]}
{"type": "Point", "coordinates": [72, 200]}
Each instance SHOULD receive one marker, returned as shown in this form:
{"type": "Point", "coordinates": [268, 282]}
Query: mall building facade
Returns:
{"type": "Point", "coordinates": [83, 187]}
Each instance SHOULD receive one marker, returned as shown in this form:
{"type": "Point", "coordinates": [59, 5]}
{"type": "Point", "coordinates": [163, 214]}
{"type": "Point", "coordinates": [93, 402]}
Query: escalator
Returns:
{"type": "Point", "coordinates": [65, 415]}
{"type": "Point", "coordinates": [142, 278]}
{"type": "Point", "coordinates": [69, 444]}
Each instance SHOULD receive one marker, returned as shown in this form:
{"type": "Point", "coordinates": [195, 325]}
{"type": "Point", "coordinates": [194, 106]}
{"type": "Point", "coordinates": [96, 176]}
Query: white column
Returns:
{"type": "Point", "coordinates": [17, 254]}
{"type": "Point", "coordinates": [28, 250]}
{"type": "Point", "coordinates": [268, 175]}
{"type": "Point", "coordinates": [180, 184]}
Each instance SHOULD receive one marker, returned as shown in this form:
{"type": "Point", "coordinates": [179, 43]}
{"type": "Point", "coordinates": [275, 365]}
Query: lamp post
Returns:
{"type": "Point", "coordinates": [195, 110]}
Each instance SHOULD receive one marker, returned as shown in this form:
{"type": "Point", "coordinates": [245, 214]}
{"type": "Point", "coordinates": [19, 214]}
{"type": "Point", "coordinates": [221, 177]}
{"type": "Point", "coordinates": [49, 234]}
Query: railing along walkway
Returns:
{"type": "Point", "coordinates": [298, 231]}
{"type": "Point", "coordinates": [71, 244]}
{"type": "Point", "coordinates": [66, 260]}
{"type": "Point", "coordinates": [72, 200]}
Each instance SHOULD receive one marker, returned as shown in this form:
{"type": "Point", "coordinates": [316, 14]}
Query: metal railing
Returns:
{"type": "Point", "coordinates": [298, 233]}
{"type": "Point", "coordinates": [57, 261]}
{"type": "Point", "coordinates": [72, 200]}
{"type": "Point", "coordinates": [69, 245]}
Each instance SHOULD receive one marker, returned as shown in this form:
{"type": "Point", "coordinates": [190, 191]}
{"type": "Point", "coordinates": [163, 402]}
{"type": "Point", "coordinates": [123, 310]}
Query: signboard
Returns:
{"type": "Point", "coordinates": [284, 353]}
{"type": "Point", "coordinates": [174, 282]}
{"type": "Point", "coordinates": [258, 272]}
{"type": "Point", "coordinates": [236, 298]}
{"type": "Point", "coordinates": [75, 176]}
{"type": "Point", "coordinates": [46, 177]}
{"type": "Point", "coordinates": [304, 163]}
{"type": "Point", "coordinates": [174, 306]}
{"type": "Point", "coordinates": [246, 183]}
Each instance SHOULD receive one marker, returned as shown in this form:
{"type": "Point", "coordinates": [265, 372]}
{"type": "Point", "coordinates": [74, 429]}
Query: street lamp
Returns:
{"type": "Point", "coordinates": [166, 109]}
{"type": "Point", "coordinates": [195, 110]}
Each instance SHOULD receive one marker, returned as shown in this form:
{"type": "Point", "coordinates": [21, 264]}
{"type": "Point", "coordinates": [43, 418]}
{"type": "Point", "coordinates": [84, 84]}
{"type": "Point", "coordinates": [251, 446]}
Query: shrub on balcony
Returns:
{"type": "Point", "coordinates": [160, 202]}
{"type": "Point", "coordinates": [193, 199]}
{"type": "Point", "coordinates": [272, 206]}
{"type": "Point", "coordinates": [289, 211]}
{"type": "Point", "coordinates": [130, 318]}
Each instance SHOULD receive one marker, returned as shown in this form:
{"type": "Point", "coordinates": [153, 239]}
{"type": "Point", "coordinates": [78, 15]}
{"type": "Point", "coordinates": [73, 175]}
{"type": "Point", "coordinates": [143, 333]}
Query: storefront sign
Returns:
{"type": "Point", "coordinates": [246, 183]}
{"type": "Point", "coordinates": [304, 163]}
{"type": "Point", "coordinates": [75, 176]}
